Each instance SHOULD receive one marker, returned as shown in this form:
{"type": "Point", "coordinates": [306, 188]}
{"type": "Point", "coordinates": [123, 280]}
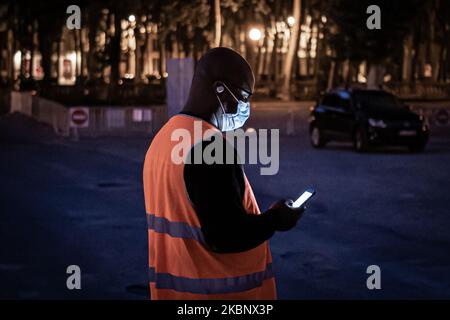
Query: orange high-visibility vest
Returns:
{"type": "Point", "coordinates": [180, 264]}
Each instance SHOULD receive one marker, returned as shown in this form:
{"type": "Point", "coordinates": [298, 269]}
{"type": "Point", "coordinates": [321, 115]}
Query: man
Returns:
{"type": "Point", "coordinates": [207, 237]}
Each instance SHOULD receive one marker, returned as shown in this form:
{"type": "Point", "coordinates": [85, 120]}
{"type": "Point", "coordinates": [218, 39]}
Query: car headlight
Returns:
{"type": "Point", "coordinates": [377, 123]}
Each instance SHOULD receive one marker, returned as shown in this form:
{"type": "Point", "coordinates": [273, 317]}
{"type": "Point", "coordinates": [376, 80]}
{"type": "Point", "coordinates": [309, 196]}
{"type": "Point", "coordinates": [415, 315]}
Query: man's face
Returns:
{"type": "Point", "coordinates": [229, 99]}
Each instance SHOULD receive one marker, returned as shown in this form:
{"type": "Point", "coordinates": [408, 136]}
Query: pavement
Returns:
{"type": "Point", "coordinates": [81, 203]}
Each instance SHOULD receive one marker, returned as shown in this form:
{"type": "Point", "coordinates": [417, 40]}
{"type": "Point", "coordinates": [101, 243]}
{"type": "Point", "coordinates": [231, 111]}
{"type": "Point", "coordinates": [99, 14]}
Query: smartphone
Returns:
{"type": "Point", "coordinates": [301, 201]}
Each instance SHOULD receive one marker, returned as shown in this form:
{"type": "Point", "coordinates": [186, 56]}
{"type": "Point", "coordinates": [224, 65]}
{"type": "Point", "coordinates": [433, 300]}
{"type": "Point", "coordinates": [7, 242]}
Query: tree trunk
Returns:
{"type": "Point", "coordinates": [92, 64]}
{"type": "Point", "coordinates": [33, 46]}
{"type": "Point", "coordinates": [319, 52]}
{"type": "Point", "coordinates": [138, 53]}
{"type": "Point", "coordinates": [115, 49]}
{"type": "Point", "coordinates": [375, 76]}
{"type": "Point", "coordinates": [79, 57]}
{"type": "Point", "coordinates": [435, 60]}
{"type": "Point", "coordinates": [274, 72]}
{"type": "Point", "coordinates": [218, 23]}
{"type": "Point", "coordinates": [266, 56]}
{"type": "Point", "coordinates": [10, 45]}
{"type": "Point", "coordinates": [293, 41]}
{"type": "Point", "coordinates": [249, 46]}
{"type": "Point", "coordinates": [331, 74]}
{"type": "Point", "coordinates": [407, 59]}
{"type": "Point", "coordinates": [261, 57]}
{"type": "Point", "coordinates": [58, 66]}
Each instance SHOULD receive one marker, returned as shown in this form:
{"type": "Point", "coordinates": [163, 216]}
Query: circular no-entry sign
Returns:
{"type": "Point", "coordinates": [79, 117]}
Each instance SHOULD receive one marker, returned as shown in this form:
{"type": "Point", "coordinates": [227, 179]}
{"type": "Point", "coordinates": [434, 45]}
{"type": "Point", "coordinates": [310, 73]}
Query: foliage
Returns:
{"type": "Point", "coordinates": [351, 38]}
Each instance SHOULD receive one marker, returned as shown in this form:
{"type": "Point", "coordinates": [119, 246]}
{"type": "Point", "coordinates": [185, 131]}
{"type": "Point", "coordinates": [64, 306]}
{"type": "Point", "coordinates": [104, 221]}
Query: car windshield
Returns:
{"type": "Point", "coordinates": [376, 100]}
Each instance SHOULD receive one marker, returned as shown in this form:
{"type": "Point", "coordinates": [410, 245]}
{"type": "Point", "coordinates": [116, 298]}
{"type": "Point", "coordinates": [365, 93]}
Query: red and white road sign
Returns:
{"type": "Point", "coordinates": [79, 117]}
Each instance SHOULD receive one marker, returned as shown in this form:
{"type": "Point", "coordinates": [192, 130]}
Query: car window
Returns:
{"type": "Point", "coordinates": [377, 100]}
{"type": "Point", "coordinates": [337, 100]}
{"type": "Point", "coordinates": [331, 100]}
{"type": "Point", "coordinates": [344, 103]}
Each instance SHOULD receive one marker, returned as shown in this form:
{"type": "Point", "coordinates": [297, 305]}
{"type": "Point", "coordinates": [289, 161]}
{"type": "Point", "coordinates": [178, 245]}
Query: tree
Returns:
{"type": "Point", "coordinates": [218, 23]}
{"type": "Point", "coordinates": [353, 42]}
{"type": "Point", "coordinates": [189, 30]}
{"type": "Point", "coordinates": [293, 45]}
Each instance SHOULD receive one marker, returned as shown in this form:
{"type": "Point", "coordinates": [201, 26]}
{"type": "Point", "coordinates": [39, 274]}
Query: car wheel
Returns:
{"type": "Point", "coordinates": [360, 141]}
{"type": "Point", "coordinates": [317, 138]}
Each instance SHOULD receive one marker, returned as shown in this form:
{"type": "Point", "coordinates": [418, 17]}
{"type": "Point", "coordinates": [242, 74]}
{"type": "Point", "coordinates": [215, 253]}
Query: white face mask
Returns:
{"type": "Point", "coordinates": [232, 121]}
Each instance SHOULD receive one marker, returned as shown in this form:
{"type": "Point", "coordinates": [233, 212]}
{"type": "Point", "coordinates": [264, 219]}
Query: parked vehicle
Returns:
{"type": "Point", "coordinates": [366, 117]}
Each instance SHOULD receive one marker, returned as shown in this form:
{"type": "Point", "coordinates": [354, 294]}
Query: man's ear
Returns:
{"type": "Point", "coordinates": [219, 87]}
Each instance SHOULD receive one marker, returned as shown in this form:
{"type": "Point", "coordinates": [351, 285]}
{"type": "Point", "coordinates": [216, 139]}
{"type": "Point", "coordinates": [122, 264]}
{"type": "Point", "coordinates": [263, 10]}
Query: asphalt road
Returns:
{"type": "Point", "coordinates": [81, 203]}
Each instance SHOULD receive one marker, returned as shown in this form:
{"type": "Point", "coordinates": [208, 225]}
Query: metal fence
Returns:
{"type": "Point", "coordinates": [420, 90]}
{"type": "Point", "coordinates": [123, 121]}
{"type": "Point", "coordinates": [114, 120]}
{"type": "Point", "coordinates": [51, 113]}
{"type": "Point", "coordinates": [103, 94]}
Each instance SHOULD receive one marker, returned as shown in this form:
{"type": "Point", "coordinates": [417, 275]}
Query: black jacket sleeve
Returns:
{"type": "Point", "coordinates": [216, 192]}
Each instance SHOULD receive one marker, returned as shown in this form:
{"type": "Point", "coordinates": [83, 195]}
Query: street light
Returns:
{"type": "Point", "coordinates": [291, 21]}
{"type": "Point", "coordinates": [132, 18]}
{"type": "Point", "coordinates": [255, 34]}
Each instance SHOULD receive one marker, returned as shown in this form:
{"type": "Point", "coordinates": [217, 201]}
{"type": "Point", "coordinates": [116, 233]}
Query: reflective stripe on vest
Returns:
{"type": "Point", "coordinates": [210, 285]}
{"type": "Point", "coordinates": [174, 229]}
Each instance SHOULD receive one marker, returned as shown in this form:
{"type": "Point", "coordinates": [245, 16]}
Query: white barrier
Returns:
{"type": "Point", "coordinates": [21, 102]}
{"type": "Point", "coordinates": [124, 120]}
{"type": "Point", "coordinates": [52, 113]}
{"type": "Point", "coordinates": [103, 120]}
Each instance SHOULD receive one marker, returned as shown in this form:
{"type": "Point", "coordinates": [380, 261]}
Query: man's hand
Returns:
{"type": "Point", "coordinates": [285, 216]}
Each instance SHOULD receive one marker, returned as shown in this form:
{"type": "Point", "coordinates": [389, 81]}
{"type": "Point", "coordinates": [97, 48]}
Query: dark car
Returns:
{"type": "Point", "coordinates": [366, 117]}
